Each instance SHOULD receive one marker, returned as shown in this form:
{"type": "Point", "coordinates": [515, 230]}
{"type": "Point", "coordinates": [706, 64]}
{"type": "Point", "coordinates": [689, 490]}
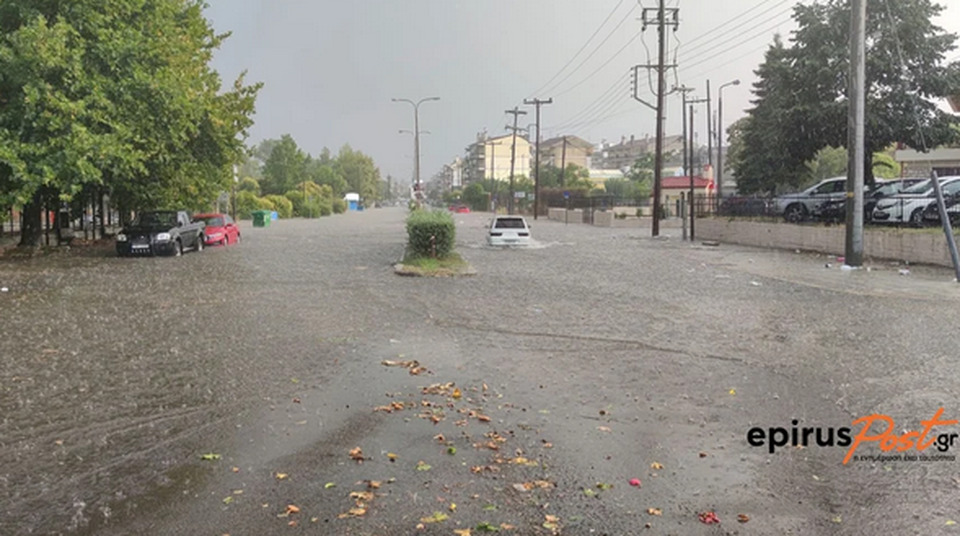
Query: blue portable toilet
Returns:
{"type": "Point", "coordinates": [274, 216]}
{"type": "Point", "coordinates": [353, 201]}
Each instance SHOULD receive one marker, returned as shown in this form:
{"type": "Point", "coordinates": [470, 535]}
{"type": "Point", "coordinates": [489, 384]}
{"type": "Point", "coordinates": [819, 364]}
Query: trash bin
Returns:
{"type": "Point", "coordinates": [261, 218]}
{"type": "Point", "coordinates": [274, 216]}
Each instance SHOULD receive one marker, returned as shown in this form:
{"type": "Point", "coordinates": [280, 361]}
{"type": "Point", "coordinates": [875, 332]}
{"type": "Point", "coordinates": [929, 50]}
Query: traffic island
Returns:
{"type": "Point", "coordinates": [429, 252]}
{"type": "Point", "coordinates": [450, 266]}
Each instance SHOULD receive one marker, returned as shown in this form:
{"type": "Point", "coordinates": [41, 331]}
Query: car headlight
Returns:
{"type": "Point", "coordinates": [121, 237]}
{"type": "Point", "coordinates": [163, 237]}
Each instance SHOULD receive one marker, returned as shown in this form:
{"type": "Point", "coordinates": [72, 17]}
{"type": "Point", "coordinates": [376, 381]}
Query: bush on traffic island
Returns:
{"type": "Point", "coordinates": [430, 234]}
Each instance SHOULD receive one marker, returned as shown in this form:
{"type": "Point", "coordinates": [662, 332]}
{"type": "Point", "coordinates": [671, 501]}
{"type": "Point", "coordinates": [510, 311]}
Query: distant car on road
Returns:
{"type": "Point", "coordinates": [160, 232]}
{"type": "Point", "coordinates": [509, 231]}
{"type": "Point", "coordinates": [220, 229]}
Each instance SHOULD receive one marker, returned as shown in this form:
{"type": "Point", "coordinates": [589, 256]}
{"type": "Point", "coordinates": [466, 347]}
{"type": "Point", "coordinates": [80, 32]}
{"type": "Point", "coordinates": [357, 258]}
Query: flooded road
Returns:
{"type": "Point", "coordinates": [209, 393]}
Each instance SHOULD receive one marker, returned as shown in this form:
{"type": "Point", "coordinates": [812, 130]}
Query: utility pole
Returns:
{"type": "Point", "coordinates": [692, 147]}
{"type": "Point", "coordinates": [563, 163]}
{"type": "Point", "coordinates": [720, 139]}
{"type": "Point", "coordinates": [660, 19]}
{"type": "Point", "coordinates": [517, 112]}
{"type": "Point", "coordinates": [536, 176]}
{"type": "Point", "coordinates": [418, 186]}
{"type": "Point", "coordinates": [709, 127]}
{"type": "Point", "coordinates": [693, 215]}
{"type": "Point", "coordinates": [856, 134]}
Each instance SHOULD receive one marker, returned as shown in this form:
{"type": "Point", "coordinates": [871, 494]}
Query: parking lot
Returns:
{"type": "Point", "coordinates": [597, 354]}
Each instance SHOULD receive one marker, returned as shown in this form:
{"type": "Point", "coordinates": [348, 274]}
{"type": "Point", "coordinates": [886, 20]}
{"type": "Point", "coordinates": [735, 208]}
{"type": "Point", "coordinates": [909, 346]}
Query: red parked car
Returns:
{"type": "Point", "coordinates": [221, 229]}
{"type": "Point", "coordinates": [462, 209]}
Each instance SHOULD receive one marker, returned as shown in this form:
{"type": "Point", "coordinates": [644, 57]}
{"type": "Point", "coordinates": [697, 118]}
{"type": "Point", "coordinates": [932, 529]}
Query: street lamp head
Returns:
{"type": "Point", "coordinates": [736, 82]}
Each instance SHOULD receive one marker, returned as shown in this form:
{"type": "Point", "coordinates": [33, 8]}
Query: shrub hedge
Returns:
{"type": "Point", "coordinates": [423, 225]}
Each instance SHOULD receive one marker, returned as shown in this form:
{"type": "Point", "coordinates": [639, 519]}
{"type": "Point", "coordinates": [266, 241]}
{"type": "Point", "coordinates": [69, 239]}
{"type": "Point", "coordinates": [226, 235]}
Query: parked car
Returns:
{"type": "Point", "coordinates": [160, 232]}
{"type": "Point", "coordinates": [509, 231]}
{"type": "Point", "coordinates": [746, 206]}
{"type": "Point", "coordinates": [835, 210]}
{"type": "Point", "coordinates": [908, 205]}
{"type": "Point", "coordinates": [219, 229]}
{"type": "Point", "coordinates": [800, 206]}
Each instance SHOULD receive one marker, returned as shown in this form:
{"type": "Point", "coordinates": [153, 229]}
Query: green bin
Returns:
{"type": "Point", "coordinates": [261, 218]}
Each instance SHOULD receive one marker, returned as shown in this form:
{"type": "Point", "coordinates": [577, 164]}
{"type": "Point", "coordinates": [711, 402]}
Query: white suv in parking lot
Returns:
{"type": "Point", "coordinates": [509, 231]}
{"type": "Point", "coordinates": [799, 206]}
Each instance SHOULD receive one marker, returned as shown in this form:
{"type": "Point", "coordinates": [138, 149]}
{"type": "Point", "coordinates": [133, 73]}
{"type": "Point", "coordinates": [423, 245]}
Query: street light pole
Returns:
{"type": "Point", "coordinates": [720, 139]}
{"type": "Point", "coordinates": [416, 141]}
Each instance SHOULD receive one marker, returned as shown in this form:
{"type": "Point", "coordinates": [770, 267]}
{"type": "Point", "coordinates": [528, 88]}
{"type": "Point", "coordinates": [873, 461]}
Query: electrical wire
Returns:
{"type": "Point", "coordinates": [722, 26]}
{"type": "Point", "coordinates": [603, 99]}
{"type": "Point", "coordinates": [571, 60]}
{"type": "Point", "coordinates": [598, 69]}
{"type": "Point", "coordinates": [713, 53]}
{"type": "Point", "coordinates": [558, 84]}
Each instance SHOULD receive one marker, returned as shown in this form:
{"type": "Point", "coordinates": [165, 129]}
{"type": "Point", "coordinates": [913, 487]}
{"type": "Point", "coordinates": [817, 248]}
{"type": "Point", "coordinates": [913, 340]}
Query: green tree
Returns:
{"type": "Point", "coordinates": [574, 177]}
{"type": "Point", "coordinates": [801, 104]}
{"type": "Point", "coordinates": [359, 172]}
{"type": "Point", "coordinates": [114, 96]}
{"type": "Point", "coordinates": [285, 167]}
{"type": "Point", "coordinates": [249, 184]}
{"type": "Point", "coordinates": [475, 197]}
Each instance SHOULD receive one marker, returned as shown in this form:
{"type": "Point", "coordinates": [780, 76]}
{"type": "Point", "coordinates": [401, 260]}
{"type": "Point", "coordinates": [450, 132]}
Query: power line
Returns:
{"type": "Point", "coordinates": [734, 46]}
{"type": "Point", "coordinates": [595, 50]}
{"type": "Point", "coordinates": [604, 98]}
{"type": "Point", "coordinates": [598, 69]}
{"type": "Point", "coordinates": [722, 25]}
{"type": "Point", "coordinates": [602, 24]}
{"type": "Point", "coordinates": [749, 23]}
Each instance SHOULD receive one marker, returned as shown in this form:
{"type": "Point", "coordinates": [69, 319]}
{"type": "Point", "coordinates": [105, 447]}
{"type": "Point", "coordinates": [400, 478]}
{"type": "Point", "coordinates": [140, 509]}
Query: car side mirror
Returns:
{"type": "Point", "coordinates": [180, 224]}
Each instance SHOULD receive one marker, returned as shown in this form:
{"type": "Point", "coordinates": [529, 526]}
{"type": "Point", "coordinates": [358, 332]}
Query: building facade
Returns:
{"type": "Point", "coordinates": [489, 158]}
{"type": "Point", "coordinates": [567, 150]}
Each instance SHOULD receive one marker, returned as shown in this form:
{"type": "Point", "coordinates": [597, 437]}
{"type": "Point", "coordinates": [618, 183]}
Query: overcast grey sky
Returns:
{"type": "Point", "coordinates": [331, 67]}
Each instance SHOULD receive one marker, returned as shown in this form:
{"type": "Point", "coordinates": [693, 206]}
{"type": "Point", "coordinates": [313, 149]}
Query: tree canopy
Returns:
{"type": "Point", "coordinates": [114, 96]}
{"type": "Point", "coordinates": [800, 104]}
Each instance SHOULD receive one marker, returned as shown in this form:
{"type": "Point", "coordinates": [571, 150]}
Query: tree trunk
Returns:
{"type": "Point", "coordinates": [31, 227]}
{"type": "Point", "coordinates": [868, 178]}
{"type": "Point", "coordinates": [103, 228]}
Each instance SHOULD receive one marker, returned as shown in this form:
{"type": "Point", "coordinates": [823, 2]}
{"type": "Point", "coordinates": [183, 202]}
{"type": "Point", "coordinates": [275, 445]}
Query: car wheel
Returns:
{"type": "Point", "coordinates": [795, 213]}
{"type": "Point", "coordinates": [225, 241]}
{"type": "Point", "coordinates": [178, 248]}
{"type": "Point", "coordinates": [237, 240]}
{"type": "Point", "coordinates": [199, 244]}
{"type": "Point", "coordinates": [916, 218]}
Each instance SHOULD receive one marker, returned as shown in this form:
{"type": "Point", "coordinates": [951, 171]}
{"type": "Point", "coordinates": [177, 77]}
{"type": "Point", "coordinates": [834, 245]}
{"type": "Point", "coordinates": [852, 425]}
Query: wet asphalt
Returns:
{"type": "Point", "coordinates": [549, 381]}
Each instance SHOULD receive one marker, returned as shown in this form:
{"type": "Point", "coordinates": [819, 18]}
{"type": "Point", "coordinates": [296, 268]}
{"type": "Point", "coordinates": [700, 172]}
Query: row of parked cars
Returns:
{"type": "Point", "coordinates": [910, 201]}
{"type": "Point", "coordinates": [170, 232]}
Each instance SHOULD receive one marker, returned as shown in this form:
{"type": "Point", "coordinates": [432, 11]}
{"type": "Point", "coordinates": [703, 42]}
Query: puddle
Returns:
{"type": "Point", "coordinates": [534, 244]}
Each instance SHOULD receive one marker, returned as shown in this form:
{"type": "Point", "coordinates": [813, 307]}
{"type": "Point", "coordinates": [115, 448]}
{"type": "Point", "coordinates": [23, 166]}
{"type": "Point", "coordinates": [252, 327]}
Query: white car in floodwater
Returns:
{"type": "Point", "coordinates": [509, 231]}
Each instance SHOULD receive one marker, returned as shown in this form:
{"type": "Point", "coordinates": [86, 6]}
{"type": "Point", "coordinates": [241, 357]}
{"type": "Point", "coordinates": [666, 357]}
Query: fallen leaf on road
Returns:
{"type": "Point", "coordinates": [453, 507]}
{"type": "Point", "coordinates": [235, 469]}
{"type": "Point", "coordinates": [210, 457]}
{"type": "Point", "coordinates": [656, 466]}
{"type": "Point", "coordinates": [743, 518]}
{"type": "Point", "coordinates": [462, 532]}
{"type": "Point", "coordinates": [281, 476]}
{"type": "Point", "coordinates": [391, 456]}
{"type": "Point", "coordinates": [361, 496]}
{"type": "Point", "coordinates": [552, 523]}
{"type": "Point", "coordinates": [708, 518]}
{"type": "Point", "coordinates": [356, 453]}
{"type": "Point", "coordinates": [635, 482]}
{"type": "Point", "coordinates": [227, 500]}
{"type": "Point", "coordinates": [457, 393]}
{"type": "Point", "coordinates": [604, 485]}
{"type": "Point", "coordinates": [440, 438]}
{"type": "Point", "coordinates": [487, 527]}
{"type": "Point", "coordinates": [507, 526]}
{"type": "Point", "coordinates": [655, 511]}
{"type": "Point", "coordinates": [837, 519]}
{"type": "Point", "coordinates": [293, 509]}
{"type": "Point", "coordinates": [353, 512]}
{"type": "Point", "coordinates": [603, 429]}
{"type": "Point", "coordinates": [329, 485]}
{"type": "Point", "coordinates": [373, 484]}
{"type": "Point", "coordinates": [703, 454]}
{"type": "Point", "coordinates": [437, 517]}
{"type": "Point", "coordinates": [589, 492]}
{"type": "Point", "coordinates": [950, 523]}
{"type": "Point", "coordinates": [423, 466]}
{"type": "Point", "coordinates": [451, 450]}
{"type": "Point", "coordinates": [483, 418]}
{"type": "Point", "coordinates": [733, 391]}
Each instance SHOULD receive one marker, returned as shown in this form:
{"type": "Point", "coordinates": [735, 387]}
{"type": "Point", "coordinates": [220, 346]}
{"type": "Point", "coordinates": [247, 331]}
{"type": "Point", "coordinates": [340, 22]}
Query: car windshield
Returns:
{"type": "Point", "coordinates": [510, 223]}
{"type": "Point", "coordinates": [212, 221]}
{"type": "Point", "coordinates": [920, 188]}
{"type": "Point", "coordinates": [157, 219]}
